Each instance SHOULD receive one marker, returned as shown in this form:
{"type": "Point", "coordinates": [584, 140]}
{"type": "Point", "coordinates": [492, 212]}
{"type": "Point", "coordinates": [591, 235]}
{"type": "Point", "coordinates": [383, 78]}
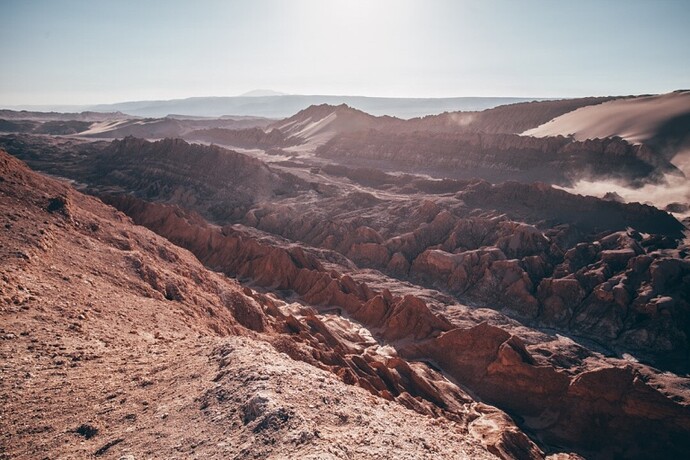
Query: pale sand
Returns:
{"type": "Point", "coordinates": [635, 120]}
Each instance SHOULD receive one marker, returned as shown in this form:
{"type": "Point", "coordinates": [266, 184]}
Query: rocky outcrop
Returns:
{"type": "Point", "coordinates": [508, 119]}
{"type": "Point", "coordinates": [537, 201]}
{"type": "Point", "coordinates": [245, 138]}
{"type": "Point", "coordinates": [502, 371]}
{"type": "Point", "coordinates": [185, 343]}
{"type": "Point", "coordinates": [531, 251]}
{"type": "Point", "coordinates": [556, 160]}
{"type": "Point", "coordinates": [488, 360]}
{"type": "Point", "coordinates": [541, 276]}
{"type": "Point", "coordinates": [481, 273]}
{"type": "Point", "coordinates": [616, 399]}
{"type": "Point", "coordinates": [221, 184]}
{"type": "Point", "coordinates": [163, 171]}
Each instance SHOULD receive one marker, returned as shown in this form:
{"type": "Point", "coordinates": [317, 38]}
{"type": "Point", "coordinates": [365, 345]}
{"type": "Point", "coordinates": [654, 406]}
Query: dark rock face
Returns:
{"type": "Point", "coordinates": [613, 196]}
{"type": "Point", "coordinates": [192, 175]}
{"type": "Point", "coordinates": [63, 127]}
{"type": "Point", "coordinates": [505, 119]}
{"type": "Point", "coordinates": [539, 201]}
{"type": "Point", "coordinates": [245, 138]}
{"type": "Point", "coordinates": [220, 183]}
{"type": "Point", "coordinates": [677, 207]}
{"type": "Point", "coordinates": [17, 126]}
{"type": "Point", "coordinates": [552, 159]}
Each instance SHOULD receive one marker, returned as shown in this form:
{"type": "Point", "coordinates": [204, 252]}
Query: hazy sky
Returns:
{"type": "Point", "coordinates": [81, 52]}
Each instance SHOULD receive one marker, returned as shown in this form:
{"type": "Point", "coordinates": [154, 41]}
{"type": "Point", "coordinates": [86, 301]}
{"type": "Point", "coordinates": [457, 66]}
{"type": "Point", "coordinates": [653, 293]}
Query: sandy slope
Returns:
{"type": "Point", "coordinates": [636, 119]}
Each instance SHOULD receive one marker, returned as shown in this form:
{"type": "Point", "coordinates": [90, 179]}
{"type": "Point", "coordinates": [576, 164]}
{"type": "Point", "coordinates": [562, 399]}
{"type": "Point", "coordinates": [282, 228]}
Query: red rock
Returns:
{"type": "Point", "coordinates": [369, 254]}
{"type": "Point", "coordinates": [398, 265]}
{"type": "Point", "coordinates": [617, 258]}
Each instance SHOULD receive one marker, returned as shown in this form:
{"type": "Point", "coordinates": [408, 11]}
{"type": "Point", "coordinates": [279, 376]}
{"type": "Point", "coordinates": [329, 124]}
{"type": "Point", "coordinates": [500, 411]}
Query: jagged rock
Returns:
{"type": "Point", "coordinates": [398, 265]}
{"type": "Point", "coordinates": [518, 240]}
{"type": "Point", "coordinates": [492, 429]}
{"type": "Point", "coordinates": [559, 299]}
{"type": "Point", "coordinates": [490, 244]}
{"type": "Point", "coordinates": [613, 196]}
{"type": "Point", "coordinates": [485, 154]}
{"type": "Point", "coordinates": [501, 369]}
{"type": "Point", "coordinates": [369, 254]}
{"type": "Point", "coordinates": [410, 317]}
{"type": "Point", "coordinates": [482, 272]}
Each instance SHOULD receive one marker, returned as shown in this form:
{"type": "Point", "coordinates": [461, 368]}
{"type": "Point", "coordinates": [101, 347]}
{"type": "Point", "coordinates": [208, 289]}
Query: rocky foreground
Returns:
{"type": "Point", "coordinates": [117, 344]}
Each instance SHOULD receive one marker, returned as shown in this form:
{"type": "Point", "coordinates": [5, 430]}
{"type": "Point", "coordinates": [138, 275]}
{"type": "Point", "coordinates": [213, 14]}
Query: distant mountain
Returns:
{"type": "Point", "coordinates": [61, 116]}
{"type": "Point", "coordinates": [282, 106]}
{"type": "Point", "coordinates": [261, 93]}
{"type": "Point", "coordinates": [319, 123]}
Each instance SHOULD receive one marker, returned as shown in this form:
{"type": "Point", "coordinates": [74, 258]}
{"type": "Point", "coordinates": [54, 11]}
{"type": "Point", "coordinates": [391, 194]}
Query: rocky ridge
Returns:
{"type": "Point", "coordinates": [179, 360]}
{"type": "Point", "coordinates": [510, 246]}
{"type": "Point", "coordinates": [556, 160]}
{"type": "Point", "coordinates": [486, 359]}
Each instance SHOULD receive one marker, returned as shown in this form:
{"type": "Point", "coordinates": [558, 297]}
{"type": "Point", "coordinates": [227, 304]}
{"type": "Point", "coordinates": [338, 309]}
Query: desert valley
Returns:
{"type": "Point", "coordinates": [341, 285]}
{"type": "Point", "coordinates": [344, 230]}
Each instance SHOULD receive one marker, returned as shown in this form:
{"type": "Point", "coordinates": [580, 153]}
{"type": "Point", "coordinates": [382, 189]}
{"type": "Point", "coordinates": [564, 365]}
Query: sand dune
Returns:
{"type": "Point", "coordinates": [318, 124]}
{"type": "Point", "coordinates": [107, 126]}
{"type": "Point", "coordinates": [635, 119]}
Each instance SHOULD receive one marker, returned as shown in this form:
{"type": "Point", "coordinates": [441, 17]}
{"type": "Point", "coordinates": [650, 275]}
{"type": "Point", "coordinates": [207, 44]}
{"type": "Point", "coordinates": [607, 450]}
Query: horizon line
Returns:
{"type": "Point", "coordinates": [86, 105]}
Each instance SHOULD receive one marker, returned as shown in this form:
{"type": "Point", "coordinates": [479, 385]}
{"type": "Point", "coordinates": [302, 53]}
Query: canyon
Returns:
{"type": "Point", "coordinates": [336, 282]}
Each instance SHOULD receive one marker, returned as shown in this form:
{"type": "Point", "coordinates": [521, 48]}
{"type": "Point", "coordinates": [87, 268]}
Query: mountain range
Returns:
{"type": "Point", "coordinates": [264, 103]}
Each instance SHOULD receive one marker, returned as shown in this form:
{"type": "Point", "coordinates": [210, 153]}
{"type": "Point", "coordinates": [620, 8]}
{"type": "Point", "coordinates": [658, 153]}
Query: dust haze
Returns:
{"type": "Point", "coordinates": [671, 194]}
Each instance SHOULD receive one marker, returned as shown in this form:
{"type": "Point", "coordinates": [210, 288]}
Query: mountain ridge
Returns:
{"type": "Point", "coordinates": [281, 106]}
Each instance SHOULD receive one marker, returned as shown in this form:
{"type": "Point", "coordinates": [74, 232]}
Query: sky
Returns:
{"type": "Point", "coordinates": [97, 51]}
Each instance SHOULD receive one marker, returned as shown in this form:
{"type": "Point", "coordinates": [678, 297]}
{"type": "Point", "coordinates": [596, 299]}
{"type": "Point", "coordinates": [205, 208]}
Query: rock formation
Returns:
{"type": "Point", "coordinates": [531, 320]}
{"type": "Point", "coordinates": [556, 160]}
{"type": "Point", "coordinates": [548, 394]}
{"type": "Point", "coordinates": [142, 351]}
